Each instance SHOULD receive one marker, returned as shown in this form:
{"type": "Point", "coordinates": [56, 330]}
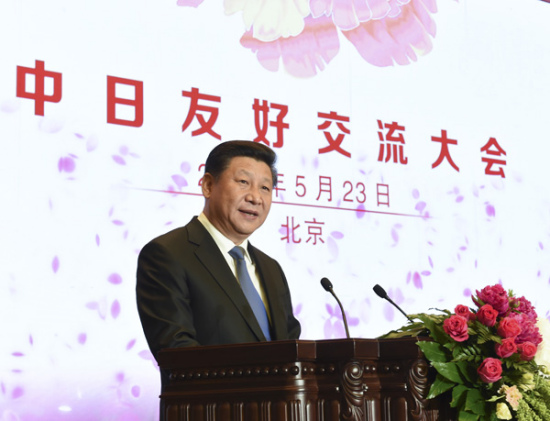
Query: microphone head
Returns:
{"type": "Point", "coordinates": [380, 291]}
{"type": "Point", "coordinates": [327, 285]}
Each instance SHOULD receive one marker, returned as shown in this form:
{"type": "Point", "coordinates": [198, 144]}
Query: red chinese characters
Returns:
{"type": "Point", "coordinates": [493, 150]}
{"type": "Point", "coordinates": [262, 122]}
{"type": "Point", "coordinates": [334, 144]}
{"type": "Point", "coordinates": [197, 110]}
{"type": "Point", "coordinates": [444, 152]}
{"type": "Point", "coordinates": [113, 100]}
{"type": "Point", "coordinates": [38, 93]}
{"type": "Point", "coordinates": [392, 144]}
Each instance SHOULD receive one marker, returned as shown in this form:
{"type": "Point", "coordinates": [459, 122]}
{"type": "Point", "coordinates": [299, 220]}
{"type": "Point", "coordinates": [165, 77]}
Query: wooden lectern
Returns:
{"type": "Point", "coordinates": [301, 380]}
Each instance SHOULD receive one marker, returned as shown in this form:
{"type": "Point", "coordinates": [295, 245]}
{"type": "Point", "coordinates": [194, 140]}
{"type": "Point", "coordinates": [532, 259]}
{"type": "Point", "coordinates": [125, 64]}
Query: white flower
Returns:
{"type": "Point", "coordinates": [270, 19]}
{"type": "Point", "coordinates": [542, 357]}
{"type": "Point", "coordinates": [503, 412]}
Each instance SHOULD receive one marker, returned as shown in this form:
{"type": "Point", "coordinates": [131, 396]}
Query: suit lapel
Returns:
{"type": "Point", "coordinates": [211, 258]}
{"type": "Point", "coordinates": [268, 268]}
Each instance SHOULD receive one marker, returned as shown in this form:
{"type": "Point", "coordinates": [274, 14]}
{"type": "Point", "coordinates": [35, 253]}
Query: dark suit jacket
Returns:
{"type": "Point", "coordinates": [187, 295]}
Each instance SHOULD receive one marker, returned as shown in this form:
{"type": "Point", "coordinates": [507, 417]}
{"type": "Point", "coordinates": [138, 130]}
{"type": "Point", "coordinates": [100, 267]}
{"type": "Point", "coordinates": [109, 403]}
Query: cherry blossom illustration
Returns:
{"type": "Point", "coordinates": [305, 35]}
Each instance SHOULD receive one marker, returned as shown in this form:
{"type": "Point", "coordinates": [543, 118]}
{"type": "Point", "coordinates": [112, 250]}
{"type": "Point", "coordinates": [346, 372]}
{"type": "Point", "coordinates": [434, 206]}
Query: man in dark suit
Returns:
{"type": "Point", "coordinates": [190, 282]}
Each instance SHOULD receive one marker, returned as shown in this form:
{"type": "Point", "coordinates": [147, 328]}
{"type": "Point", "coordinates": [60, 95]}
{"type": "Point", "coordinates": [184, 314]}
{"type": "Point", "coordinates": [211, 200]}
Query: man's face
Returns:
{"type": "Point", "coordinates": [238, 203]}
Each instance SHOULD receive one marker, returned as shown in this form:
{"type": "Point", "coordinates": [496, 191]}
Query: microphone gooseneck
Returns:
{"type": "Point", "coordinates": [327, 285]}
{"type": "Point", "coordinates": [381, 292]}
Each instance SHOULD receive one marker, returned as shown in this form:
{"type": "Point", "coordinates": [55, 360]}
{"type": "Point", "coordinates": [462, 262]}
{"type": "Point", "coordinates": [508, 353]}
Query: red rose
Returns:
{"type": "Point", "coordinates": [464, 311]}
{"type": "Point", "coordinates": [507, 348]}
{"type": "Point", "coordinates": [527, 351]}
{"type": "Point", "coordinates": [508, 328]}
{"type": "Point", "coordinates": [456, 327]}
{"type": "Point", "coordinates": [490, 370]}
{"type": "Point", "coordinates": [487, 315]}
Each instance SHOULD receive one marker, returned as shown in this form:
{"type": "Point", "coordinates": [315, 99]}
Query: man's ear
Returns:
{"type": "Point", "coordinates": [207, 183]}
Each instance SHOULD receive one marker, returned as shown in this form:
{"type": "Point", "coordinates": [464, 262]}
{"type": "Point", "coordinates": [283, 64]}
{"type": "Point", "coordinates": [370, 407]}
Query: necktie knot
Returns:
{"type": "Point", "coordinates": [237, 253]}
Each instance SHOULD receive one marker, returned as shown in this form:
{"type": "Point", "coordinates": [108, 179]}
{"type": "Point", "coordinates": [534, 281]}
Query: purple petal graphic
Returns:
{"type": "Point", "coordinates": [420, 206]}
{"type": "Point", "coordinates": [185, 167]}
{"type": "Point", "coordinates": [17, 392]}
{"type": "Point", "coordinates": [130, 344]}
{"type": "Point", "coordinates": [180, 181]}
{"type": "Point", "coordinates": [82, 338]}
{"type": "Point", "coordinates": [115, 309]}
{"type": "Point", "coordinates": [55, 264]}
{"type": "Point", "coordinates": [115, 279]}
{"type": "Point", "coordinates": [394, 236]}
{"type": "Point", "coordinates": [119, 160]}
{"type": "Point", "coordinates": [66, 164]}
{"type": "Point", "coordinates": [417, 280]}
{"type": "Point", "coordinates": [490, 210]}
{"type": "Point", "coordinates": [332, 248]}
{"type": "Point", "coordinates": [337, 235]}
{"type": "Point", "coordinates": [135, 391]}
{"type": "Point", "coordinates": [388, 312]}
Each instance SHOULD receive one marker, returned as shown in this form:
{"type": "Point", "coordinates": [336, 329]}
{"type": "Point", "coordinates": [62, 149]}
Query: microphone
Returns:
{"type": "Point", "coordinates": [327, 285]}
{"type": "Point", "coordinates": [382, 294]}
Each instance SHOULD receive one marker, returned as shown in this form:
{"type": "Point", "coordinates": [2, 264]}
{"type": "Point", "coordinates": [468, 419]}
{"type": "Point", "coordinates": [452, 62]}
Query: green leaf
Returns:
{"type": "Point", "coordinates": [468, 372]}
{"type": "Point", "coordinates": [459, 396]}
{"type": "Point", "coordinates": [467, 416]}
{"type": "Point", "coordinates": [449, 371]}
{"type": "Point", "coordinates": [439, 386]}
{"type": "Point", "coordinates": [475, 402]}
{"type": "Point", "coordinates": [433, 351]}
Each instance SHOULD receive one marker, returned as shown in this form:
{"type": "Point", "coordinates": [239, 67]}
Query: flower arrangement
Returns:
{"type": "Point", "coordinates": [491, 359]}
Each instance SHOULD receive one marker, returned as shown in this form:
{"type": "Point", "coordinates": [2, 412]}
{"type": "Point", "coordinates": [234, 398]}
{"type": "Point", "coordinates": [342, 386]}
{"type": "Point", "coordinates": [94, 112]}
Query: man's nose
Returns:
{"type": "Point", "coordinates": [254, 197]}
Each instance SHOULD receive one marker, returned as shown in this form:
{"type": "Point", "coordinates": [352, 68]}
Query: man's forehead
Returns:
{"type": "Point", "coordinates": [239, 163]}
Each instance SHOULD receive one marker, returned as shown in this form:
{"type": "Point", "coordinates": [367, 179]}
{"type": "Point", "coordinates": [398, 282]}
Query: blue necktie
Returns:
{"type": "Point", "coordinates": [250, 291]}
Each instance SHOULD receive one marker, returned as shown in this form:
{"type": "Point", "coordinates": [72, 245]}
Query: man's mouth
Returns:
{"type": "Point", "coordinates": [248, 212]}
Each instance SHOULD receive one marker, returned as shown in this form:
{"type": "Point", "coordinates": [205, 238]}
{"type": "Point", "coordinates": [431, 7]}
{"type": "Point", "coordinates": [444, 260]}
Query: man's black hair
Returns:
{"type": "Point", "coordinates": [219, 158]}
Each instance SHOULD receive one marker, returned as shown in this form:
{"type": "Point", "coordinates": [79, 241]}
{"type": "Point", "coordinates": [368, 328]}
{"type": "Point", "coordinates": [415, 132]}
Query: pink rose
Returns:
{"type": "Point", "coordinates": [464, 311]}
{"type": "Point", "coordinates": [487, 315]}
{"type": "Point", "coordinates": [496, 296]}
{"type": "Point", "coordinates": [508, 328]}
{"type": "Point", "coordinates": [527, 351]}
{"type": "Point", "coordinates": [490, 370]}
{"type": "Point", "coordinates": [456, 327]}
{"type": "Point", "coordinates": [507, 348]}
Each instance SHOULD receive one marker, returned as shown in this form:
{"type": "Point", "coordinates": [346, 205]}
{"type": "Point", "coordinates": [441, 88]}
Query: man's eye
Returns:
{"type": "Point", "coordinates": [266, 188]}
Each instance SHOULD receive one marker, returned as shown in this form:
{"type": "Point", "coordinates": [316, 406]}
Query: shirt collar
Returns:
{"type": "Point", "coordinates": [223, 243]}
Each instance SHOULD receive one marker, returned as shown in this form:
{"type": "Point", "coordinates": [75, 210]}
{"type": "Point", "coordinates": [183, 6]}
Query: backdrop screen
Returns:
{"type": "Point", "coordinates": [413, 153]}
